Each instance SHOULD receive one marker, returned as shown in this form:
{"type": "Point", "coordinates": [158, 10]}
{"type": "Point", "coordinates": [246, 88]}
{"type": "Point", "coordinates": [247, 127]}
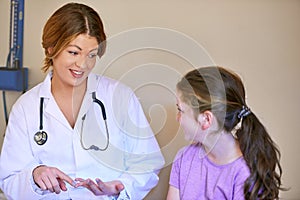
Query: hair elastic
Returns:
{"type": "Point", "coordinates": [243, 113]}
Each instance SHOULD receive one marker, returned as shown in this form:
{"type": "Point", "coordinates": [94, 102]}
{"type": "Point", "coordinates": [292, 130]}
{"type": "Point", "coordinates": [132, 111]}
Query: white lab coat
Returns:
{"type": "Point", "coordinates": [133, 155]}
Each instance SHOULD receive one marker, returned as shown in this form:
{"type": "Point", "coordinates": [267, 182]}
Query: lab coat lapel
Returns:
{"type": "Point", "coordinates": [86, 104]}
{"type": "Point", "coordinates": [52, 108]}
{"type": "Point", "coordinates": [50, 105]}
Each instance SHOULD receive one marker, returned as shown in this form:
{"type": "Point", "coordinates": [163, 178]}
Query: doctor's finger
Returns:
{"type": "Point", "coordinates": [57, 188]}
{"type": "Point", "coordinates": [41, 184]}
{"type": "Point", "coordinates": [119, 187]}
{"type": "Point", "coordinates": [95, 188]}
{"type": "Point", "coordinates": [62, 184]}
{"type": "Point", "coordinates": [102, 185]}
{"type": "Point", "coordinates": [83, 182]}
{"type": "Point", "coordinates": [55, 185]}
{"type": "Point", "coordinates": [110, 188]}
{"type": "Point", "coordinates": [65, 177]}
{"type": "Point", "coordinates": [39, 175]}
{"type": "Point", "coordinates": [47, 181]}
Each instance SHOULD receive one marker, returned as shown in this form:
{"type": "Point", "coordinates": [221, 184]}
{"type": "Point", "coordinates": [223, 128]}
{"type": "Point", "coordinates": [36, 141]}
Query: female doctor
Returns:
{"type": "Point", "coordinates": [77, 135]}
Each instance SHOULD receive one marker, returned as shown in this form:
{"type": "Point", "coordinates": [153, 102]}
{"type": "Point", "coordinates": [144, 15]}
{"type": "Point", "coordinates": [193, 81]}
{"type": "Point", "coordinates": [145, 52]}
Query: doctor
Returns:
{"type": "Point", "coordinates": [77, 135]}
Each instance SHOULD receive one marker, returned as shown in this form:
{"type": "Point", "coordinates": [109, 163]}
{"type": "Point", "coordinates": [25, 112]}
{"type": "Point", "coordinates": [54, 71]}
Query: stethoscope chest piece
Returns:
{"type": "Point", "coordinates": [40, 137]}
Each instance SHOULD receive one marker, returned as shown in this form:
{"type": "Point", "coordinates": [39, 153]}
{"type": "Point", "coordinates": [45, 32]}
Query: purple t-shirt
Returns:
{"type": "Point", "coordinates": [197, 177]}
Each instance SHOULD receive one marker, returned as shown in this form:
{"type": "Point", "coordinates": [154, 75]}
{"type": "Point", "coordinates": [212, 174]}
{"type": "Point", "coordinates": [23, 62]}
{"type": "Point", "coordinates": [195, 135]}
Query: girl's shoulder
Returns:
{"type": "Point", "coordinates": [188, 152]}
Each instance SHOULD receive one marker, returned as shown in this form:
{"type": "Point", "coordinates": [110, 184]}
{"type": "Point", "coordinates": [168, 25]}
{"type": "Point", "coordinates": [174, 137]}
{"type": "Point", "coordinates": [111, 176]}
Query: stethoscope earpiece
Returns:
{"type": "Point", "coordinates": [40, 137]}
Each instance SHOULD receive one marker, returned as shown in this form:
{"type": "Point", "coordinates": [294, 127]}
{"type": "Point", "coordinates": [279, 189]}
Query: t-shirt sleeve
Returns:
{"type": "Point", "coordinates": [241, 177]}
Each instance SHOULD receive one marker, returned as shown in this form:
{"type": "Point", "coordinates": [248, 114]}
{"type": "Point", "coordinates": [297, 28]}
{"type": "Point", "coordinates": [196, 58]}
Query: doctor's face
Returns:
{"type": "Point", "coordinates": [72, 66]}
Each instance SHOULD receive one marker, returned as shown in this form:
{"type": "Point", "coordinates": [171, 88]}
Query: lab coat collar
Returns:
{"type": "Point", "coordinates": [45, 90]}
{"type": "Point", "coordinates": [50, 105]}
{"type": "Point", "coordinates": [92, 84]}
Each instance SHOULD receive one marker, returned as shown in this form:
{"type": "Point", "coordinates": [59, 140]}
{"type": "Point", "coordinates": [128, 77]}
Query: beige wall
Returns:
{"type": "Point", "coordinates": [258, 39]}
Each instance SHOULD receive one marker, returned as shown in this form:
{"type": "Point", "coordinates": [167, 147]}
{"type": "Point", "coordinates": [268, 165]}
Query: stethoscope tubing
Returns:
{"type": "Point", "coordinates": [100, 104]}
{"type": "Point", "coordinates": [41, 112]}
{"type": "Point", "coordinates": [41, 136]}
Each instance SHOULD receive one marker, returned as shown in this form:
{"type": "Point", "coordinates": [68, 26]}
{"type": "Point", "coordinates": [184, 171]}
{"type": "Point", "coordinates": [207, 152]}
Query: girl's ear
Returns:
{"type": "Point", "coordinates": [205, 119]}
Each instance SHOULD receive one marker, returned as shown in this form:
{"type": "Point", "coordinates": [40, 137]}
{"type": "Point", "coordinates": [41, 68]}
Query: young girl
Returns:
{"type": "Point", "coordinates": [232, 155]}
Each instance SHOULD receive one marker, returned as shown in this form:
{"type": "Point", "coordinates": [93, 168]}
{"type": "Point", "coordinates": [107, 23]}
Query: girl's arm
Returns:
{"type": "Point", "coordinates": [173, 193]}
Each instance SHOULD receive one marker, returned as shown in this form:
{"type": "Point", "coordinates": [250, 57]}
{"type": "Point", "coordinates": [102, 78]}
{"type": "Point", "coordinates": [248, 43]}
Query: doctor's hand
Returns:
{"type": "Point", "coordinates": [101, 188]}
{"type": "Point", "coordinates": [51, 178]}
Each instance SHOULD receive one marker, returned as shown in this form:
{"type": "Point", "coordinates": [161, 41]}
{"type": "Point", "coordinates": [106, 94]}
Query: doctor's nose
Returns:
{"type": "Point", "coordinates": [81, 62]}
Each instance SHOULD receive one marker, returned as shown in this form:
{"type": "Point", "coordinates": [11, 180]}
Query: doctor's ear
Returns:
{"type": "Point", "coordinates": [205, 119]}
{"type": "Point", "coordinates": [49, 50]}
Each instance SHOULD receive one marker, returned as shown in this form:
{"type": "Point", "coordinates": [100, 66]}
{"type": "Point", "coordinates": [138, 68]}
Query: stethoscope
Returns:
{"type": "Point", "coordinates": [41, 136]}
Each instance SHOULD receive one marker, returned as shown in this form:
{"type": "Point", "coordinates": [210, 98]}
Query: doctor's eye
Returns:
{"type": "Point", "coordinates": [92, 55]}
{"type": "Point", "coordinates": [74, 53]}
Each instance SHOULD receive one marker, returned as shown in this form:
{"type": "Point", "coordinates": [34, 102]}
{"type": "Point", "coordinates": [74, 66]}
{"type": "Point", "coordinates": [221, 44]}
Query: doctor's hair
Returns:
{"type": "Point", "coordinates": [222, 92]}
{"type": "Point", "coordinates": [65, 25]}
